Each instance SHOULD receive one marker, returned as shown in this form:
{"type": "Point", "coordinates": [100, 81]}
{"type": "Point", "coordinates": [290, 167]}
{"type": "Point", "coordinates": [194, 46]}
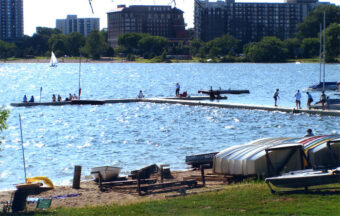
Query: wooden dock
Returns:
{"type": "Point", "coordinates": [190, 101]}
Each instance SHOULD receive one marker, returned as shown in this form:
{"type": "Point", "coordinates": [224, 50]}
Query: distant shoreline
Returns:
{"type": "Point", "coordinates": [45, 61]}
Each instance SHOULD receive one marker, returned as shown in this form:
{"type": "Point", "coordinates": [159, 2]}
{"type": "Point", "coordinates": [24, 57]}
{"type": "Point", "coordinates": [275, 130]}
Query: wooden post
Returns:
{"type": "Point", "coordinates": [202, 174]}
{"type": "Point", "coordinates": [138, 184]}
{"type": "Point", "coordinates": [76, 177]}
{"type": "Point", "coordinates": [162, 174]}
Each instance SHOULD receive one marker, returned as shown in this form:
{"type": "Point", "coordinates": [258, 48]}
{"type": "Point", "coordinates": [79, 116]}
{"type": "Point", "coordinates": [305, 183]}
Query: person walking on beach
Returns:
{"type": "Point", "coordinates": [276, 96]}
{"type": "Point", "coordinates": [309, 100]}
{"type": "Point", "coordinates": [178, 87]}
{"type": "Point", "coordinates": [323, 99]}
{"type": "Point", "coordinates": [298, 99]}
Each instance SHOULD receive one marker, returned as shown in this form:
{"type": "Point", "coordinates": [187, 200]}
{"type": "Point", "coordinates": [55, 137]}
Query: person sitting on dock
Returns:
{"type": "Point", "coordinates": [309, 100]}
{"type": "Point", "coordinates": [298, 99]}
{"type": "Point", "coordinates": [32, 99]}
{"type": "Point", "coordinates": [70, 97]}
{"type": "Point", "coordinates": [323, 99]}
{"type": "Point", "coordinates": [59, 98]}
{"type": "Point", "coordinates": [276, 96]}
{"type": "Point", "coordinates": [184, 94]}
{"type": "Point", "coordinates": [75, 96]}
{"type": "Point", "coordinates": [24, 99]}
{"type": "Point", "coordinates": [54, 99]}
{"type": "Point", "coordinates": [140, 95]}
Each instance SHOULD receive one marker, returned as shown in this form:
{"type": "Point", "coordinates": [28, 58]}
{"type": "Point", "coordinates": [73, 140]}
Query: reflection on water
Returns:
{"type": "Point", "coordinates": [138, 134]}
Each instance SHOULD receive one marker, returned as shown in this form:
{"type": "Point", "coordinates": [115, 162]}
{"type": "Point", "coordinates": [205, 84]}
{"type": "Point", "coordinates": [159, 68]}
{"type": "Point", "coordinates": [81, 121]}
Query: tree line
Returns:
{"type": "Point", "coordinates": [222, 49]}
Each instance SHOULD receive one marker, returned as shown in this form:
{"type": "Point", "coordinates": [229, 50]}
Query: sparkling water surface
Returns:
{"type": "Point", "coordinates": [133, 135]}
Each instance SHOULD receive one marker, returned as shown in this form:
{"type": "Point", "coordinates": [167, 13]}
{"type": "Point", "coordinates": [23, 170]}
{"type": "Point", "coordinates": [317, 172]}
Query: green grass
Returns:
{"type": "Point", "coordinates": [241, 199]}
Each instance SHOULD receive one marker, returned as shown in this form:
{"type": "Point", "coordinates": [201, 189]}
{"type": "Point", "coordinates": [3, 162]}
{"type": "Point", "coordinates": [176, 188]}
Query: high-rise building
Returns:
{"type": "Point", "coordinates": [11, 20]}
{"type": "Point", "coordinates": [249, 22]}
{"type": "Point", "coordinates": [73, 24]}
{"type": "Point", "coordinates": [155, 20]}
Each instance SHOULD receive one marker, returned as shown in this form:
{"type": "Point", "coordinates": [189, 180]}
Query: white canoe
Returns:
{"type": "Point", "coordinates": [107, 172]}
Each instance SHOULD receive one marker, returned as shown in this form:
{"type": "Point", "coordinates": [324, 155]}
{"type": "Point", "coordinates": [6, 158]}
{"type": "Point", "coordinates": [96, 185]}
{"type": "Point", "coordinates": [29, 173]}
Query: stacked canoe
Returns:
{"type": "Point", "coordinates": [250, 159]}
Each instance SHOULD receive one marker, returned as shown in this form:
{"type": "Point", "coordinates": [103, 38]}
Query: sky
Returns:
{"type": "Point", "coordinates": [43, 13]}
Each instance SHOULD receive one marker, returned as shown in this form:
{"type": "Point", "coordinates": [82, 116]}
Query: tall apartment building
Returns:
{"type": "Point", "coordinates": [11, 20]}
{"type": "Point", "coordinates": [155, 20]}
{"type": "Point", "coordinates": [249, 22]}
{"type": "Point", "coordinates": [73, 24]}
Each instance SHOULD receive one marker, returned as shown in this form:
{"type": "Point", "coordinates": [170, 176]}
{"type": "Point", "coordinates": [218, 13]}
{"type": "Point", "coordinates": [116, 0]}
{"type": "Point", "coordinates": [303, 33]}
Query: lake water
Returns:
{"type": "Point", "coordinates": [139, 134]}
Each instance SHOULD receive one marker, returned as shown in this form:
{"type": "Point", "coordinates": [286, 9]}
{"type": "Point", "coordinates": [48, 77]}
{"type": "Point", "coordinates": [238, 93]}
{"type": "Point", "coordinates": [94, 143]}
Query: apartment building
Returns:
{"type": "Point", "coordinates": [11, 20]}
{"type": "Point", "coordinates": [156, 20]}
{"type": "Point", "coordinates": [74, 24]}
{"type": "Point", "coordinates": [250, 22]}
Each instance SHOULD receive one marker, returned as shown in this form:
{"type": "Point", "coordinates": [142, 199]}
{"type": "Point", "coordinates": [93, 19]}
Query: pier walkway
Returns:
{"type": "Point", "coordinates": [190, 101]}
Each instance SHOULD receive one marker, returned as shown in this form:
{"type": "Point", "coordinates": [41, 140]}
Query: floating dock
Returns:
{"type": "Point", "coordinates": [190, 101]}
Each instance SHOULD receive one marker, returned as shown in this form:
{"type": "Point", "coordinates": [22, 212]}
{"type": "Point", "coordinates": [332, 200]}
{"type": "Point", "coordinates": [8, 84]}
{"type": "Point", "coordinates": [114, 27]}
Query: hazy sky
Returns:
{"type": "Point", "coordinates": [45, 12]}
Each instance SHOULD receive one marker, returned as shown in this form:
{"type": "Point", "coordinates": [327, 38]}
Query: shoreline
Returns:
{"type": "Point", "coordinates": [89, 193]}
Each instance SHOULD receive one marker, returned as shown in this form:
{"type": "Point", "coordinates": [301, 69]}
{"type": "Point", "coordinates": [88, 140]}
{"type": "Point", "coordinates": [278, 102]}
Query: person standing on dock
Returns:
{"type": "Point", "coordinates": [298, 99]}
{"type": "Point", "coordinates": [276, 96]}
{"type": "Point", "coordinates": [323, 99]}
{"type": "Point", "coordinates": [309, 100]}
{"type": "Point", "coordinates": [24, 99]}
{"type": "Point", "coordinates": [178, 87]}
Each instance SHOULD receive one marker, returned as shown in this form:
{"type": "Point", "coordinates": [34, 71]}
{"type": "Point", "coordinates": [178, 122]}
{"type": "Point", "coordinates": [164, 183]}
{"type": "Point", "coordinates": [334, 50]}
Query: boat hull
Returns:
{"type": "Point", "coordinates": [107, 172]}
{"type": "Point", "coordinates": [304, 179]}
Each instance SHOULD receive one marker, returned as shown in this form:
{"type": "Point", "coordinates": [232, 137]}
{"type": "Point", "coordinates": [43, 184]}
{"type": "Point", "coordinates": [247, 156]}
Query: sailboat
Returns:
{"type": "Point", "coordinates": [53, 60]}
{"type": "Point", "coordinates": [322, 85]}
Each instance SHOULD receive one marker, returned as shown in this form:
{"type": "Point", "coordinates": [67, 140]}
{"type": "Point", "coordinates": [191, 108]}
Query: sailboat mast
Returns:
{"type": "Point", "coordinates": [324, 47]}
{"type": "Point", "coordinates": [320, 52]}
{"type": "Point", "coordinates": [22, 147]}
{"type": "Point", "coordinates": [79, 77]}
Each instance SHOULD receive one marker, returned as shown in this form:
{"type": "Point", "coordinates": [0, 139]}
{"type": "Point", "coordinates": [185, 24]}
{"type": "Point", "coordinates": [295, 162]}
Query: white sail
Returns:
{"type": "Point", "coordinates": [53, 61]}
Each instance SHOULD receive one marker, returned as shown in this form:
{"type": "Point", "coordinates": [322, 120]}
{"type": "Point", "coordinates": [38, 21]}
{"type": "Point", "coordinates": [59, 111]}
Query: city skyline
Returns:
{"type": "Point", "coordinates": [48, 12]}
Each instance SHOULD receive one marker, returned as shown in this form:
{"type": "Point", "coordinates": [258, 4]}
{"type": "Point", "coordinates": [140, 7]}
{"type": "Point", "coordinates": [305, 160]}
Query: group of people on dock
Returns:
{"type": "Point", "coordinates": [69, 98]}
{"type": "Point", "coordinates": [25, 99]}
{"type": "Point", "coordinates": [298, 96]}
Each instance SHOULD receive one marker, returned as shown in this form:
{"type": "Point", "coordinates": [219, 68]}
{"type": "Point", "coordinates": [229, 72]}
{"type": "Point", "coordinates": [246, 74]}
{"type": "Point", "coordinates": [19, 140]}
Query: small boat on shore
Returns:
{"type": "Point", "coordinates": [305, 178]}
{"type": "Point", "coordinates": [106, 172]}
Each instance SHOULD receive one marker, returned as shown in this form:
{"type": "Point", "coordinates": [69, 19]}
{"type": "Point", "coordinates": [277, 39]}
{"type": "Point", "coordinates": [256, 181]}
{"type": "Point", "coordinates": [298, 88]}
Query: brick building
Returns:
{"type": "Point", "coordinates": [155, 20]}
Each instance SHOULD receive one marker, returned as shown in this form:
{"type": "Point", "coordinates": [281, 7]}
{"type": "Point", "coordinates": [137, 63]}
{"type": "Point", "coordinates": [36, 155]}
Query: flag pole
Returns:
{"type": "Point", "coordinates": [40, 94]}
{"type": "Point", "coordinates": [22, 146]}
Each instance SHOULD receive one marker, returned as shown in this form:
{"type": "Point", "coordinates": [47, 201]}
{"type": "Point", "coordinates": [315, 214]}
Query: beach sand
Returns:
{"type": "Point", "coordinates": [90, 195]}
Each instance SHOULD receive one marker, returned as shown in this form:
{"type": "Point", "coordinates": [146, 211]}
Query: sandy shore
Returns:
{"type": "Point", "coordinates": [90, 195]}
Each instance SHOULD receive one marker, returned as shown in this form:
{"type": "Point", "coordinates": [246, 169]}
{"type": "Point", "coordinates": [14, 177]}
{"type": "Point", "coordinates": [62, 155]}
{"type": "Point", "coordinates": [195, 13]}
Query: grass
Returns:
{"type": "Point", "coordinates": [240, 199]}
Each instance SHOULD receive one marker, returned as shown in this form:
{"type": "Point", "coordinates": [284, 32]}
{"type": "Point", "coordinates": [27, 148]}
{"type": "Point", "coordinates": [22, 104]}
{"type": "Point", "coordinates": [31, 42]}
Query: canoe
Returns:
{"type": "Point", "coordinates": [250, 159]}
{"type": "Point", "coordinates": [305, 178]}
{"type": "Point", "coordinates": [107, 172]}
{"type": "Point", "coordinates": [218, 92]}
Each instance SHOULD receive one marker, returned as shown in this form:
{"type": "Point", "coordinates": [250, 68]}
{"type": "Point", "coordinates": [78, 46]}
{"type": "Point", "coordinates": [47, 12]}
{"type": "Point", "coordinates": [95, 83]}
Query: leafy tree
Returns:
{"type": "Point", "coordinates": [130, 41]}
{"type": "Point", "coordinates": [269, 49]}
{"type": "Point", "coordinates": [57, 43]}
{"type": "Point", "coordinates": [221, 46]}
{"type": "Point", "coordinates": [4, 114]}
{"type": "Point", "coordinates": [196, 44]}
{"type": "Point", "coordinates": [74, 41]}
{"type": "Point", "coordinates": [310, 47]}
{"type": "Point", "coordinates": [332, 41]}
{"type": "Point", "coordinates": [7, 49]}
{"type": "Point", "coordinates": [40, 40]}
{"type": "Point", "coordinates": [293, 47]}
{"type": "Point", "coordinates": [95, 45]}
{"type": "Point", "coordinates": [310, 27]}
{"type": "Point", "coordinates": [151, 46]}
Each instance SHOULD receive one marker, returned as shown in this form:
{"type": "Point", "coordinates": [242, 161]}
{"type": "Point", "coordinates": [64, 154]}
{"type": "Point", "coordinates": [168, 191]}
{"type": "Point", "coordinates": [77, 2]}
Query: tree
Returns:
{"type": "Point", "coordinates": [196, 44]}
{"type": "Point", "coordinates": [4, 114]}
{"type": "Point", "coordinates": [269, 49]}
{"type": "Point", "coordinates": [57, 43]}
{"type": "Point", "coordinates": [310, 27]}
{"type": "Point", "coordinates": [95, 45]}
{"type": "Point", "coordinates": [130, 41]}
{"type": "Point", "coordinates": [293, 46]}
{"type": "Point", "coordinates": [74, 41]}
{"type": "Point", "coordinates": [222, 46]}
{"type": "Point", "coordinates": [310, 47]}
{"type": "Point", "coordinates": [7, 49]}
{"type": "Point", "coordinates": [332, 41]}
{"type": "Point", "coordinates": [151, 46]}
